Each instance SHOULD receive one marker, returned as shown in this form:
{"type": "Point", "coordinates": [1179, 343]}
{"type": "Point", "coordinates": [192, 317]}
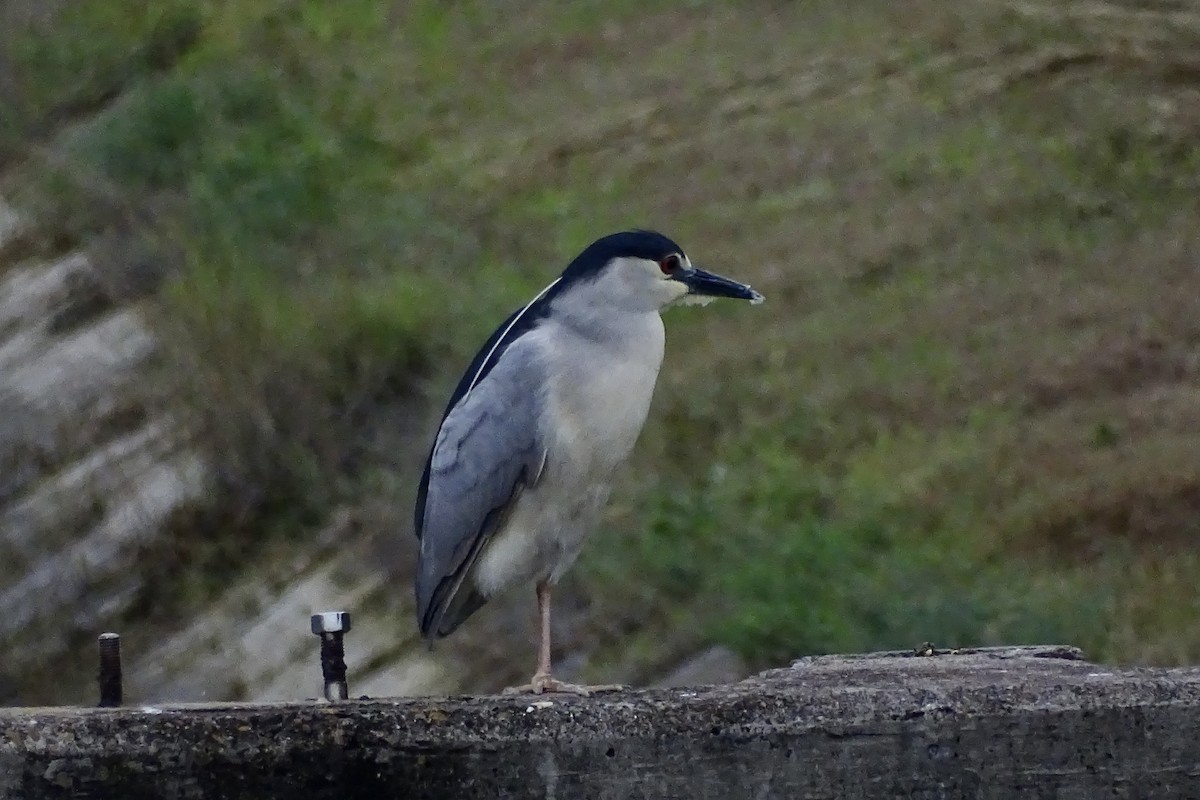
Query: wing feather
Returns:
{"type": "Point", "coordinates": [488, 450]}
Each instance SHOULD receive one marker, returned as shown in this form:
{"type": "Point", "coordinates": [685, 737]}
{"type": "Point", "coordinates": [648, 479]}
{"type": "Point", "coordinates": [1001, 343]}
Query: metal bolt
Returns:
{"type": "Point", "coordinates": [331, 626]}
{"type": "Point", "coordinates": [110, 670]}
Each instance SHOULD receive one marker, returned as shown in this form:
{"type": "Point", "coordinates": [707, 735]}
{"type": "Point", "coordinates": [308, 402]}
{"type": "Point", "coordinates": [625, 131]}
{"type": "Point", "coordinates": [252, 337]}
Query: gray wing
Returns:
{"type": "Point", "coordinates": [487, 451]}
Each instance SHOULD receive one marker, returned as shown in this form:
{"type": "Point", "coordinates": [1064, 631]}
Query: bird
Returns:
{"type": "Point", "coordinates": [523, 460]}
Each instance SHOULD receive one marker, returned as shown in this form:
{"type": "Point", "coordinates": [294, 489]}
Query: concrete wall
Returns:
{"type": "Point", "coordinates": [1020, 722]}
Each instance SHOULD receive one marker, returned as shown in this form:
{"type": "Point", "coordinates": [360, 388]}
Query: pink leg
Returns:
{"type": "Point", "coordinates": [542, 680]}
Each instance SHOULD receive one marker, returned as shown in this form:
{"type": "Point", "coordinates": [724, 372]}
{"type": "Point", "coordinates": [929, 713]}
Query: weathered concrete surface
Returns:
{"type": "Point", "coordinates": [1028, 723]}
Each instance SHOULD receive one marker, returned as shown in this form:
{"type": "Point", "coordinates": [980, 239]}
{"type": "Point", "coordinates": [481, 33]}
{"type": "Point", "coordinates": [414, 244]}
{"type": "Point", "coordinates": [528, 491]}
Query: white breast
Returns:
{"type": "Point", "coordinates": [600, 393]}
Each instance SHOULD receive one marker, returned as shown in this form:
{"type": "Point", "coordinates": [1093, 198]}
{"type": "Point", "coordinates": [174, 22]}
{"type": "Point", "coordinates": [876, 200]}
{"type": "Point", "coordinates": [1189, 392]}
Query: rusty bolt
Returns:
{"type": "Point", "coordinates": [332, 626]}
{"type": "Point", "coordinates": [110, 670]}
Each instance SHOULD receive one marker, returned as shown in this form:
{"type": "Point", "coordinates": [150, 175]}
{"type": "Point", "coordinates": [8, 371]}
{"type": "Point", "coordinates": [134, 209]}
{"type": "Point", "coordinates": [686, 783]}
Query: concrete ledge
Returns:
{"type": "Point", "coordinates": [1001, 722]}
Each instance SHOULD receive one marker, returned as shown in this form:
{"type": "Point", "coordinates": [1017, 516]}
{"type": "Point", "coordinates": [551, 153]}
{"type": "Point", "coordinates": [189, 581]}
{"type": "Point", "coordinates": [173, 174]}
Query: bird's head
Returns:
{"type": "Point", "coordinates": [644, 270]}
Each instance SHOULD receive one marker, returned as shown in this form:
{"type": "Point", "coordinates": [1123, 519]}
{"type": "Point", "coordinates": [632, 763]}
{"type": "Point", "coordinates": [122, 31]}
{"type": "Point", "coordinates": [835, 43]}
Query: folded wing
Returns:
{"type": "Point", "coordinates": [488, 450]}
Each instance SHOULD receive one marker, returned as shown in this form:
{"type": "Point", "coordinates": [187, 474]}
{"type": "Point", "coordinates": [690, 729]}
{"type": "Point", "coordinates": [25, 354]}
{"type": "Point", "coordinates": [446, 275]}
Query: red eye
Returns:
{"type": "Point", "coordinates": [669, 265]}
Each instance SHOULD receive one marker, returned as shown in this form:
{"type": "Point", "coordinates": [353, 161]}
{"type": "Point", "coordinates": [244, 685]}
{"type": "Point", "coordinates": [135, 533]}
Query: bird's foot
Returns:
{"type": "Point", "coordinates": [544, 683]}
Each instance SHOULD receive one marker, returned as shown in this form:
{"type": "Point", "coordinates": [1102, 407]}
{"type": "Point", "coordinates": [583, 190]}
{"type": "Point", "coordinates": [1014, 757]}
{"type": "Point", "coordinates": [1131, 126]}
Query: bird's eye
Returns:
{"type": "Point", "coordinates": [670, 265]}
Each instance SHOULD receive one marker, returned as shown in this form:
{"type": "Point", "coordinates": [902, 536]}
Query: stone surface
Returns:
{"type": "Point", "coordinates": [1020, 722]}
{"type": "Point", "coordinates": [91, 470]}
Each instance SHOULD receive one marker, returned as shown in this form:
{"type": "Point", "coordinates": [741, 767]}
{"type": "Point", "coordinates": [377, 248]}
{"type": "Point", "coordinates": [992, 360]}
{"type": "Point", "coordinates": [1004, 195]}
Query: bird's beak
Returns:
{"type": "Point", "coordinates": [706, 284]}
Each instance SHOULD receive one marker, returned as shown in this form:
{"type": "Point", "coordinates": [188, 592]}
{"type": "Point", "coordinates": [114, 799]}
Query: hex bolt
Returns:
{"type": "Point", "coordinates": [331, 626]}
{"type": "Point", "coordinates": [110, 670]}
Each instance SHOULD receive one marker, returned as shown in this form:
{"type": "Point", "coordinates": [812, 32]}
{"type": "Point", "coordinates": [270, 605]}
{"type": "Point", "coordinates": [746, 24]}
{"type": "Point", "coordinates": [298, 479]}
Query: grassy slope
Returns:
{"type": "Point", "coordinates": [966, 413]}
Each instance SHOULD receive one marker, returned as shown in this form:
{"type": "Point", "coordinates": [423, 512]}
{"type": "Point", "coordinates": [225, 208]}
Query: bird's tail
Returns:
{"type": "Point", "coordinates": [450, 603]}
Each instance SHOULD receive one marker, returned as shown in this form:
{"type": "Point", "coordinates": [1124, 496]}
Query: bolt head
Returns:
{"type": "Point", "coordinates": [331, 622]}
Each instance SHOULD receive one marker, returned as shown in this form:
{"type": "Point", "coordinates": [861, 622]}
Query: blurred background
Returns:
{"type": "Point", "coordinates": [247, 248]}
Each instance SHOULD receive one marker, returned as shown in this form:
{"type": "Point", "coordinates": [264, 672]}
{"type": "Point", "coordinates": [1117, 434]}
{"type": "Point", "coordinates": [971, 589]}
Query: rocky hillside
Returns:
{"type": "Point", "coordinates": [93, 468]}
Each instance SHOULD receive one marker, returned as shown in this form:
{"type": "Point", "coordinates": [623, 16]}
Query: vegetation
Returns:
{"type": "Point", "coordinates": [965, 414]}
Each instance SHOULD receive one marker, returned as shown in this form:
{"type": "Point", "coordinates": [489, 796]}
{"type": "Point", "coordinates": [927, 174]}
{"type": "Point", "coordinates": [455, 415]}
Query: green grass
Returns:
{"type": "Point", "coordinates": [69, 58]}
{"type": "Point", "coordinates": [793, 557]}
{"type": "Point", "coordinates": [301, 273]}
{"type": "Point", "coordinates": [962, 415]}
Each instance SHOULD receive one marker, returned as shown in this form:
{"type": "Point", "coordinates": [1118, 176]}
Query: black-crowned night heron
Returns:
{"type": "Point", "coordinates": [548, 409]}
